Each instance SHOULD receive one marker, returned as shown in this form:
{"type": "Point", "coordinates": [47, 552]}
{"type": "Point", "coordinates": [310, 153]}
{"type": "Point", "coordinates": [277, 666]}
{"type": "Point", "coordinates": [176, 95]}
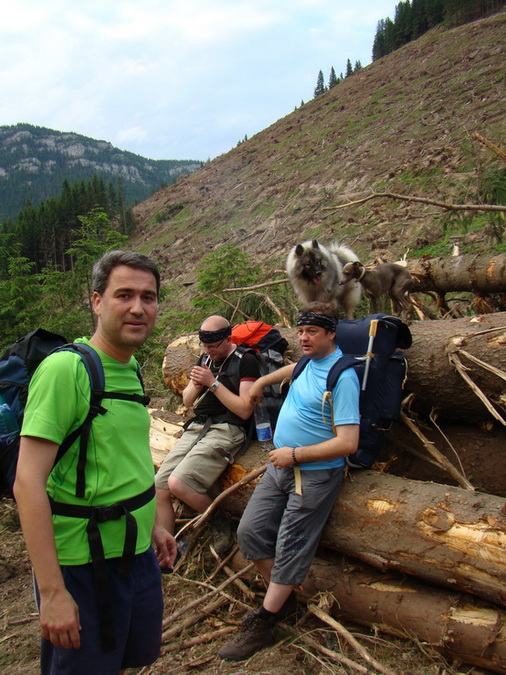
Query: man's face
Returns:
{"type": "Point", "coordinates": [217, 351]}
{"type": "Point", "coordinates": [127, 309]}
{"type": "Point", "coordinates": [315, 341]}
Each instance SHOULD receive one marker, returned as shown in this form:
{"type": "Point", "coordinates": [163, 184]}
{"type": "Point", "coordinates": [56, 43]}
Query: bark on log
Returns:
{"type": "Point", "coordinates": [457, 624]}
{"type": "Point", "coordinates": [434, 378]}
{"type": "Point", "coordinates": [442, 534]}
{"type": "Point", "coordinates": [475, 273]}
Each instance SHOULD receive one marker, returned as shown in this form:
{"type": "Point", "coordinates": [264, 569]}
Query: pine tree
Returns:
{"type": "Point", "coordinates": [333, 80]}
{"type": "Point", "coordinates": [349, 68]}
{"type": "Point", "coordinates": [320, 85]}
{"type": "Point", "coordinates": [357, 66]}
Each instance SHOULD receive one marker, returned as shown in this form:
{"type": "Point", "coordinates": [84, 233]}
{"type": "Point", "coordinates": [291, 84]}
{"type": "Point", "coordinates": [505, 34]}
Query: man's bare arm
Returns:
{"type": "Point", "coordinates": [59, 614]}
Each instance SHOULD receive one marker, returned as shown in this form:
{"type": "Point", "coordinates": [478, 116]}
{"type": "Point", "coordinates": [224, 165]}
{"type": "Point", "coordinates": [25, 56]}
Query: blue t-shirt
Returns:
{"type": "Point", "coordinates": [301, 419]}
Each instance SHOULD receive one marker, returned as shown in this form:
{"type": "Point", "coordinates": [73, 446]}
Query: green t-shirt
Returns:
{"type": "Point", "coordinates": [119, 464]}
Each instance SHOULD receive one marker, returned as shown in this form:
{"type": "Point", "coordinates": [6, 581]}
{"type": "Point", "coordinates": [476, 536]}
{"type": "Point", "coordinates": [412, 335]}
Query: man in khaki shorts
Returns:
{"type": "Point", "coordinates": [218, 390]}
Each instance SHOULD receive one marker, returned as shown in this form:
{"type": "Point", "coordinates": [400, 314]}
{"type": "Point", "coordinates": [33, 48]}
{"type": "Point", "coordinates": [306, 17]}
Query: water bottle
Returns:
{"type": "Point", "coordinates": [8, 424]}
{"type": "Point", "coordinates": [263, 428]}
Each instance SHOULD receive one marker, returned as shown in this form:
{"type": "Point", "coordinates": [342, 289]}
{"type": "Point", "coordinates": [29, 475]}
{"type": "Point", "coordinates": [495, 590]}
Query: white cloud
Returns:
{"type": "Point", "coordinates": [169, 79]}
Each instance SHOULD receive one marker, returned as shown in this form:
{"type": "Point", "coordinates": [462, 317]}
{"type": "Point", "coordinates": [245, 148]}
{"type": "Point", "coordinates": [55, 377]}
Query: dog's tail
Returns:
{"type": "Point", "coordinates": [343, 253]}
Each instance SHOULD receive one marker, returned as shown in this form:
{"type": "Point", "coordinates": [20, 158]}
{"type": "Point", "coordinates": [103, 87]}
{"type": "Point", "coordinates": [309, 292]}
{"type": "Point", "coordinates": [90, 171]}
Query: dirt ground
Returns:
{"type": "Point", "coordinates": [192, 647]}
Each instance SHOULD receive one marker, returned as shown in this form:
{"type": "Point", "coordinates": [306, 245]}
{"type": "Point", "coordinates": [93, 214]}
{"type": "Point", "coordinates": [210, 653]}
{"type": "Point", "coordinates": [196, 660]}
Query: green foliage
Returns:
{"type": "Point", "coordinates": [492, 188]}
{"type": "Point", "coordinates": [320, 85]}
{"type": "Point", "coordinates": [20, 300]}
{"type": "Point", "coordinates": [333, 79]}
{"type": "Point", "coordinates": [55, 299]}
{"type": "Point", "coordinates": [226, 267]}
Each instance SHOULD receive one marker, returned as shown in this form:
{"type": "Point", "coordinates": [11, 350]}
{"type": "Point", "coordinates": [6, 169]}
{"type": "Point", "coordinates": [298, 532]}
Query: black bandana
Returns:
{"type": "Point", "coordinates": [209, 336]}
{"type": "Point", "coordinates": [314, 319]}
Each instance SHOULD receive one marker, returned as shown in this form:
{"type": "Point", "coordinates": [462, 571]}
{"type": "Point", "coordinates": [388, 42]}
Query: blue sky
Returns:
{"type": "Point", "coordinates": [169, 79]}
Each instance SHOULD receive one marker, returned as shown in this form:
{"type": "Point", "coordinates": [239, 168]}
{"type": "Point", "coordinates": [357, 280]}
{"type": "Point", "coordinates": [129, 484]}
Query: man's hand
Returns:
{"type": "Point", "coordinates": [59, 619]}
{"type": "Point", "coordinates": [165, 546]}
{"type": "Point", "coordinates": [256, 392]}
{"type": "Point", "coordinates": [201, 376]}
{"type": "Point", "coordinates": [281, 457]}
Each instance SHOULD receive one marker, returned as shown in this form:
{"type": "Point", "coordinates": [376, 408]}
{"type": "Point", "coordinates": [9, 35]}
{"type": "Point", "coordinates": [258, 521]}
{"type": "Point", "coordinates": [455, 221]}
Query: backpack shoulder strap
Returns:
{"type": "Point", "coordinates": [299, 367]}
{"type": "Point", "coordinates": [93, 365]}
{"type": "Point", "coordinates": [343, 363]}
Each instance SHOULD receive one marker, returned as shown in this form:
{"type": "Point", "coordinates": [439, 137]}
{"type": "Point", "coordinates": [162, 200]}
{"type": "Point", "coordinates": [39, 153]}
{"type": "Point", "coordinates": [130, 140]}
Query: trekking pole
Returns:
{"type": "Point", "coordinates": [369, 356]}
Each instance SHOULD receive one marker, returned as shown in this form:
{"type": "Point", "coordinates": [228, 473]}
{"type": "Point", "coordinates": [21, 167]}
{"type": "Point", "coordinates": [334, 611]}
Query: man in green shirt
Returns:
{"type": "Point", "coordinates": [71, 583]}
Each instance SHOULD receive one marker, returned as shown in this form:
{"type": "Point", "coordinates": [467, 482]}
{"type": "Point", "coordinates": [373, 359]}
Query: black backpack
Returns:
{"type": "Point", "coordinates": [369, 346]}
{"type": "Point", "coordinates": [268, 346]}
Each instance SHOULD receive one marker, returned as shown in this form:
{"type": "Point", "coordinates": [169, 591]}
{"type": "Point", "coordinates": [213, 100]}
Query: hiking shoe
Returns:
{"type": "Point", "coordinates": [222, 533]}
{"type": "Point", "coordinates": [255, 634]}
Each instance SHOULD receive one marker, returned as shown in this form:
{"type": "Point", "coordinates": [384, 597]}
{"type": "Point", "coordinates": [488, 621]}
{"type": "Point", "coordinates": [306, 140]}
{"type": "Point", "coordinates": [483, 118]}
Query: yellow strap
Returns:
{"type": "Point", "coordinates": [373, 327]}
{"type": "Point", "coordinates": [298, 480]}
{"type": "Point", "coordinates": [328, 396]}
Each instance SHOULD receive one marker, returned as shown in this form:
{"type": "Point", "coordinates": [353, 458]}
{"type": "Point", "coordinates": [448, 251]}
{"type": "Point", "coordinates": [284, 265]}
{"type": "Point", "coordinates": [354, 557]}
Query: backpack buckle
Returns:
{"type": "Point", "coordinates": [104, 513]}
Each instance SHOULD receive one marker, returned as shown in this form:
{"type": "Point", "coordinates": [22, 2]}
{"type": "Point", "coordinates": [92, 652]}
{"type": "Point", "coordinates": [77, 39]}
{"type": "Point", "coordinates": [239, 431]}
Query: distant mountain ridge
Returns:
{"type": "Point", "coordinates": [34, 161]}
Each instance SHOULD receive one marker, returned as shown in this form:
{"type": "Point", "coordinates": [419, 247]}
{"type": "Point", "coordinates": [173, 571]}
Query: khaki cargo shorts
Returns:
{"type": "Point", "coordinates": [200, 464]}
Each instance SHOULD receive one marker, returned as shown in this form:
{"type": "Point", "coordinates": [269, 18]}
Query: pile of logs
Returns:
{"type": "Point", "coordinates": [414, 558]}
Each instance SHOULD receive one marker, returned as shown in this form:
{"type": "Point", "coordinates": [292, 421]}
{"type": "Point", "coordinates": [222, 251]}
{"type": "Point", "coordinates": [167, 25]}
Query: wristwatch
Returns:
{"type": "Point", "coordinates": [214, 386]}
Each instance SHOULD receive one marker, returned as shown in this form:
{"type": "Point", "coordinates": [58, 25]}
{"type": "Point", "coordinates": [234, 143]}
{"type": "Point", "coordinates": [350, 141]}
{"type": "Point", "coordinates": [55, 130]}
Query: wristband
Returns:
{"type": "Point", "coordinates": [293, 456]}
{"type": "Point", "coordinates": [214, 386]}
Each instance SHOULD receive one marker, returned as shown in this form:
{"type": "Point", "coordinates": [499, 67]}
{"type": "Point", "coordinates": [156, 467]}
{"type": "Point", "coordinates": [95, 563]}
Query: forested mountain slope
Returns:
{"type": "Point", "coordinates": [34, 161]}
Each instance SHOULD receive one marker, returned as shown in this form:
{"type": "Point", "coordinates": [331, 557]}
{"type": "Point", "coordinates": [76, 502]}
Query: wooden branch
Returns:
{"type": "Point", "coordinates": [240, 584]}
{"type": "Point", "coordinates": [460, 368]}
{"type": "Point", "coordinates": [343, 632]}
{"type": "Point", "coordinates": [492, 369]}
{"type": "Point", "coordinates": [438, 456]}
{"type": "Point", "coordinates": [226, 302]}
{"type": "Point", "coordinates": [193, 617]}
{"type": "Point", "coordinates": [201, 639]}
{"type": "Point", "coordinates": [490, 145]}
{"type": "Point", "coordinates": [420, 200]}
{"type": "Point", "coordinates": [207, 596]}
{"type": "Point", "coordinates": [283, 319]}
{"type": "Point", "coordinates": [200, 520]}
{"type": "Point", "coordinates": [334, 656]}
{"type": "Point", "coordinates": [255, 286]}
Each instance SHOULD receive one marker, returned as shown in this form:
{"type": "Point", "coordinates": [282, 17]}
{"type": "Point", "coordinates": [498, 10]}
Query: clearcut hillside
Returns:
{"type": "Point", "coordinates": [404, 124]}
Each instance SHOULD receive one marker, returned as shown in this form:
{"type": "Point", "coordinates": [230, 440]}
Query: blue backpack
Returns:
{"type": "Point", "coordinates": [369, 346]}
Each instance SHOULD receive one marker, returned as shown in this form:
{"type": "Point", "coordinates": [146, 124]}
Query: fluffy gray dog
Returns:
{"type": "Point", "coordinates": [316, 272]}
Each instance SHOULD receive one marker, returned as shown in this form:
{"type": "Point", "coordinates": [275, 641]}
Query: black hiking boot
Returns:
{"type": "Point", "coordinates": [222, 533]}
{"type": "Point", "coordinates": [255, 634]}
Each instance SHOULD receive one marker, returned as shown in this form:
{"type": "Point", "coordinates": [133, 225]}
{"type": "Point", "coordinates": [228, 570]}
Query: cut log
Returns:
{"type": "Point", "coordinates": [444, 535]}
{"type": "Point", "coordinates": [475, 273]}
{"type": "Point", "coordinates": [444, 352]}
{"type": "Point", "coordinates": [457, 624]}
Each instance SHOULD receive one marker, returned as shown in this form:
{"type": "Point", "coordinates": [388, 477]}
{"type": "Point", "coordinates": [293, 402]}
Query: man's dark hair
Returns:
{"type": "Point", "coordinates": [102, 268]}
{"type": "Point", "coordinates": [320, 308]}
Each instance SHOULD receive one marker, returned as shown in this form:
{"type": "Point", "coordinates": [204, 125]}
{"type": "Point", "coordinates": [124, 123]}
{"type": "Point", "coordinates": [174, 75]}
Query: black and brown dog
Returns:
{"type": "Point", "coordinates": [385, 278]}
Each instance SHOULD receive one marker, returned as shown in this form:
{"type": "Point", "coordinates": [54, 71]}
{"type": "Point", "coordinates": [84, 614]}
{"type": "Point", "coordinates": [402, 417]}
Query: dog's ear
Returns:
{"type": "Point", "coordinates": [299, 250]}
{"type": "Point", "coordinates": [315, 243]}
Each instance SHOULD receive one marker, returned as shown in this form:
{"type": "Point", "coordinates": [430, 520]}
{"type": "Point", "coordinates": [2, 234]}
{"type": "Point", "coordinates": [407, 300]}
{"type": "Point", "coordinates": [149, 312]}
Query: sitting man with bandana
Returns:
{"type": "Point", "coordinates": [282, 523]}
{"type": "Point", "coordinates": [222, 408]}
